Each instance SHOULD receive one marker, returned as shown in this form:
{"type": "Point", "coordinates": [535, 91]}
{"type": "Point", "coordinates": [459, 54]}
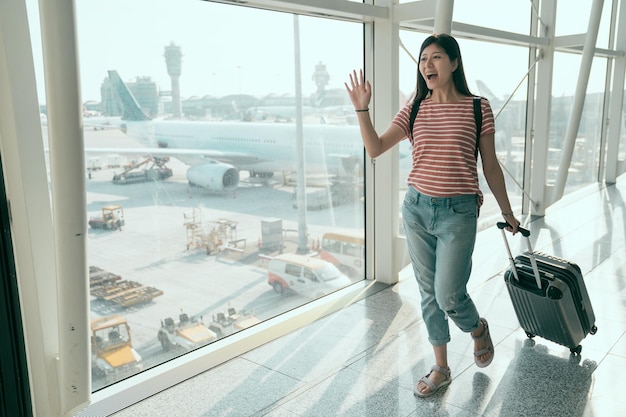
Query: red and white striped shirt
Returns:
{"type": "Point", "coordinates": [444, 163]}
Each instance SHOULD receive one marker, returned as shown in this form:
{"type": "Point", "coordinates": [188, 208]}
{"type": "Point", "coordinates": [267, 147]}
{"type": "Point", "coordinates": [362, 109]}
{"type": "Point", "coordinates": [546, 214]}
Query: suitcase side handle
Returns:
{"type": "Point", "coordinates": [531, 254]}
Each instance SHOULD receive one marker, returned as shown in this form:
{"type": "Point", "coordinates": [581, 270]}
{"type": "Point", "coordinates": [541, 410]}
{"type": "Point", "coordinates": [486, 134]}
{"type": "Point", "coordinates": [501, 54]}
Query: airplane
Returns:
{"type": "Point", "coordinates": [487, 93]}
{"type": "Point", "coordinates": [217, 151]}
{"type": "Point", "coordinates": [288, 113]}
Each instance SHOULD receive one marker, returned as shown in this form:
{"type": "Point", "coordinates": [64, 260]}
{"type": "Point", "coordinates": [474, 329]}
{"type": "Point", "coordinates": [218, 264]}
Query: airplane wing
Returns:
{"type": "Point", "coordinates": [102, 122]}
{"type": "Point", "coordinates": [188, 156]}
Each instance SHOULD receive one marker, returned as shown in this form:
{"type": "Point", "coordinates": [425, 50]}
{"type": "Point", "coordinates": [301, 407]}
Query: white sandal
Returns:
{"type": "Point", "coordinates": [433, 388]}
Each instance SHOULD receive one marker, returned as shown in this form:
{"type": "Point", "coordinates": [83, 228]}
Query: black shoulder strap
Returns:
{"type": "Point", "coordinates": [414, 109]}
{"type": "Point", "coordinates": [478, 118]}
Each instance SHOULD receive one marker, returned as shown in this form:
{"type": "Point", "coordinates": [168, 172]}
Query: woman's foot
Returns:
{"type": "Point", "coordinates": [438, 378]}
{"type": "Point", "coordinates": [483, 345]}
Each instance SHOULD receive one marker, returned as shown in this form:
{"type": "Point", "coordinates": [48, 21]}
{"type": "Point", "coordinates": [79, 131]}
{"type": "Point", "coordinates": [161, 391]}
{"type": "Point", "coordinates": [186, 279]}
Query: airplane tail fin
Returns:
{"type": "Point", "coordinates": [485, 91]}
{"type": "Point", "coordinates": [132, 111]}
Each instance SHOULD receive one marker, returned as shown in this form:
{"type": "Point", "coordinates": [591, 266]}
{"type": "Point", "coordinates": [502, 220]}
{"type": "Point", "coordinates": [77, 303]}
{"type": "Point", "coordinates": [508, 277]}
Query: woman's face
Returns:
{"type": "Point", "coordinates": [436, 67]}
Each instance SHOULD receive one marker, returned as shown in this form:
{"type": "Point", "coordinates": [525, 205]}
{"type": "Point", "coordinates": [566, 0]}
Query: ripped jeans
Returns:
{"type": "Point", "coordinates": [440, 234]}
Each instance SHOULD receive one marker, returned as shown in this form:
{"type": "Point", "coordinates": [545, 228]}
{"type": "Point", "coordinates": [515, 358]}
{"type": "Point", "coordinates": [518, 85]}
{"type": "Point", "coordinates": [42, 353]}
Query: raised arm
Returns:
{"type": "Point", "coordinates": [360, 92]}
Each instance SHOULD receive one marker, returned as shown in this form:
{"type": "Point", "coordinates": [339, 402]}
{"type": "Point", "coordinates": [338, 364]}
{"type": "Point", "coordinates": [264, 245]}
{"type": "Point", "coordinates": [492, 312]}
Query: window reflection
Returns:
{"type": "Point", "coordinates": [506, 16]}
{"type": "Point", "coordinates": [192, 159]}
{"type": "Point", "coordinates": [585, 161]}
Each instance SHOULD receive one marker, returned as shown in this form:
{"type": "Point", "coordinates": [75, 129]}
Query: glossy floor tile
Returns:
{"type": "Point", "coordinates": [366, 359]}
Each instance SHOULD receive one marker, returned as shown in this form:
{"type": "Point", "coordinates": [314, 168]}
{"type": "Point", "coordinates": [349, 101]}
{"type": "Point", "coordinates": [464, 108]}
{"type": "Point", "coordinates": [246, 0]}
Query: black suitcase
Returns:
{"type": "Point", "coordinates": [549, 296]}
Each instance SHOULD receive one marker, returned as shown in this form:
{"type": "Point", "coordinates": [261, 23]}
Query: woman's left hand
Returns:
{"type": "Point", "coordinates": [512, 222]}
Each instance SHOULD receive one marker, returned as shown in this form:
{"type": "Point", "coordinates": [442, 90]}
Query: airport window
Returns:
{"type": "Point", "coordinates": [181, 236]}
{"type": "Point", "coordinates": [585, 159]}
{"type": "Point", "coordinates": [192, 232]}
{"type": "Point", "coordinates": [507, 16]}
{"type": "Point", "coordinates": [568, 23]}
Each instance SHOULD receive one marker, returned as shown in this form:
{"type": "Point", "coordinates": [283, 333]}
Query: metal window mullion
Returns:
{"type": "Point", "coordinates": [535, 26]}
{"type": "Point", "coordinates": [67, 177]}
{"type": "Point", "coordinates": [542, 110]}
{"type": "Point", "coordinates": [443, 16]}
{"type": "Point", "coordinates": [385, 82]}
{"type": "Point", "coordinates": [27, 193]}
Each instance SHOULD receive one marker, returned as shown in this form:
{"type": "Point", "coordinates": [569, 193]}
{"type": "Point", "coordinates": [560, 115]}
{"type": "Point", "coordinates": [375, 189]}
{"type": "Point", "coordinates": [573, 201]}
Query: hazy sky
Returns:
{"type": "Point", "coordinates": [231, 50]}
{"type": "Point", "coordinates": [226, 49]}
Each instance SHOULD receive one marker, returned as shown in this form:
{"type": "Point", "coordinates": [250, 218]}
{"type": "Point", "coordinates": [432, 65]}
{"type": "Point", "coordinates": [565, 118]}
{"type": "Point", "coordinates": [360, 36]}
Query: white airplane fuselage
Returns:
{"type": "Point", "coordinates": [255, 147]}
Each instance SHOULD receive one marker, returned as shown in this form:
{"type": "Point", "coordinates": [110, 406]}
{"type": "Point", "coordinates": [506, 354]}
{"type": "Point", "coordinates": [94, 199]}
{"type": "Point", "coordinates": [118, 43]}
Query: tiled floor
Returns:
{"type": "Point", "coordinates": [364, 360]}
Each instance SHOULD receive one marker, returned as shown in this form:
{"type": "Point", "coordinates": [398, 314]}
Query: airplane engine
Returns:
{"type": "Point", "coordinates": [215, 176]}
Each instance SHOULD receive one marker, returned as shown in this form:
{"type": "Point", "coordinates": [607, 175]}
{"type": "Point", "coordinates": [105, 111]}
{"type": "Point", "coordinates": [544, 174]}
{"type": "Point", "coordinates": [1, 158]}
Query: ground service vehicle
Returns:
{"type": "Point", "coordinates": [226, 323]}
{"type": "Point", "coordinates": [112, 218]}
{"type": "Point", "coordinates": [154, 170]}
{"type": "Point", "coordinates": [112, 353]}
{"type": "Point", "coordinates": [188, 333]}
{"type": "Point", "coordinates": [345, 250]}
{"type": "Point", "coordinates": [305, 275]}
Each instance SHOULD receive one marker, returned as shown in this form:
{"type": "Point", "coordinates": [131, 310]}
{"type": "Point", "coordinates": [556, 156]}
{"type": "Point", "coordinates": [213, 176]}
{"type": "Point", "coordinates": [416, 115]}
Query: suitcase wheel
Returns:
{"type": "Point", "coordinates": [593, 329]}
{"type": "Point", "coordinates": [576, 351]}
{"type": "Point", "coordinates": [530, 335]}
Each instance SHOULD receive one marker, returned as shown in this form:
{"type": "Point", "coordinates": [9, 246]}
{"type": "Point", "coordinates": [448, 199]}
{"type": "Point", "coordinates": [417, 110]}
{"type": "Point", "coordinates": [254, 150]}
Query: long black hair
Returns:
{"type": "Point", "coordinates": [451, 48]}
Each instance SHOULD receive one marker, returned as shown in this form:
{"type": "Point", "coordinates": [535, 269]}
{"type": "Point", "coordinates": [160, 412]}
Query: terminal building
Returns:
{"type": "Point", "coordinates": [162, 295]}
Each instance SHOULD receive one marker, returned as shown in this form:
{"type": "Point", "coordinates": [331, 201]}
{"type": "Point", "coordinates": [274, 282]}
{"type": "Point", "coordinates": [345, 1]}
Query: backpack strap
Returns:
{"type": "Point", "coordinates": [478, 119]}
{"type": "Point", "coordinates": [414, 110]}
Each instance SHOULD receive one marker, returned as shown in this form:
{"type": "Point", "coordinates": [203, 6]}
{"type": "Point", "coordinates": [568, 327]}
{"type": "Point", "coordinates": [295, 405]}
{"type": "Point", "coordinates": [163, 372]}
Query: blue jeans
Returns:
{"type": "Point", "coordinates": [440, 234]}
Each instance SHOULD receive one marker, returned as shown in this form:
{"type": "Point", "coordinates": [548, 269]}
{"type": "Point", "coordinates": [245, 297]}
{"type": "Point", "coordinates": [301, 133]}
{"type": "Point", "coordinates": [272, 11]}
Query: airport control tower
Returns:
{"type": "Point", "coordinates": [173, 60]}
{"type": "Point", "coordinates": [321, 78]}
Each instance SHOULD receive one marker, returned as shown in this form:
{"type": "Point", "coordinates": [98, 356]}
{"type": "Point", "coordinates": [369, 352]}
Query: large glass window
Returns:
{"type": "Point", "coordinates": [510, 16]}
{"type": "Point", "coordinates": [584, 167]}
{"type": "Point", "coordinates": [569, 22]}
{"type": "Point", "coordinates": [220, 152]}
{"type": "Point", "coordinates": [224, 164]}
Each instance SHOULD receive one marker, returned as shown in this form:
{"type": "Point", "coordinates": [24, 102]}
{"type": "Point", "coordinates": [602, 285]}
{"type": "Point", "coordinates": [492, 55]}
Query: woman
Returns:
{"type": "Point", "coordinates": [441, 206]}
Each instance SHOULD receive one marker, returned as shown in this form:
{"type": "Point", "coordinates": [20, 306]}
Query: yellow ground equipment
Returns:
{"type": "Point", "coordinates": [112, 353]}
{"type": "Point", "coordinates": [150, 169]}
{"type": "Point", "coordinates": [112, 218]}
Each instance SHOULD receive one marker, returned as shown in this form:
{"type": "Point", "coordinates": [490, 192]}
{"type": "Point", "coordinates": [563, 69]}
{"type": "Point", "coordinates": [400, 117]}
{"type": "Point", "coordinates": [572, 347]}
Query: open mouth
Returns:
{"type": "Point", "coordinates": [431, 76]}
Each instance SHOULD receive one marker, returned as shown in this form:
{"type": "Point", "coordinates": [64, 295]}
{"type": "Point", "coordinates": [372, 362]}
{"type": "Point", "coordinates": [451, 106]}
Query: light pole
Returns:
{"type": "Point", "coordinates": [303, 232]}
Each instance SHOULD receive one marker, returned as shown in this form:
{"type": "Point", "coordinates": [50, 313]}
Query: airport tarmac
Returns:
{"type": "Point", "coordinates": [152, 247]}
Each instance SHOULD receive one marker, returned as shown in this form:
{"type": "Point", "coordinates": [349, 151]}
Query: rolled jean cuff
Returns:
{"type": "Point", "coordinates": [439, 342]}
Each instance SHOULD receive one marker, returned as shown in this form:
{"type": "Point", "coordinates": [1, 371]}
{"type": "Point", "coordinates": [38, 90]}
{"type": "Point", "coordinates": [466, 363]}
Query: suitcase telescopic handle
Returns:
{"type": "Point", "coordinates": [531, 254]}
{"type": "Point", "coordinates": [524, 232]}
